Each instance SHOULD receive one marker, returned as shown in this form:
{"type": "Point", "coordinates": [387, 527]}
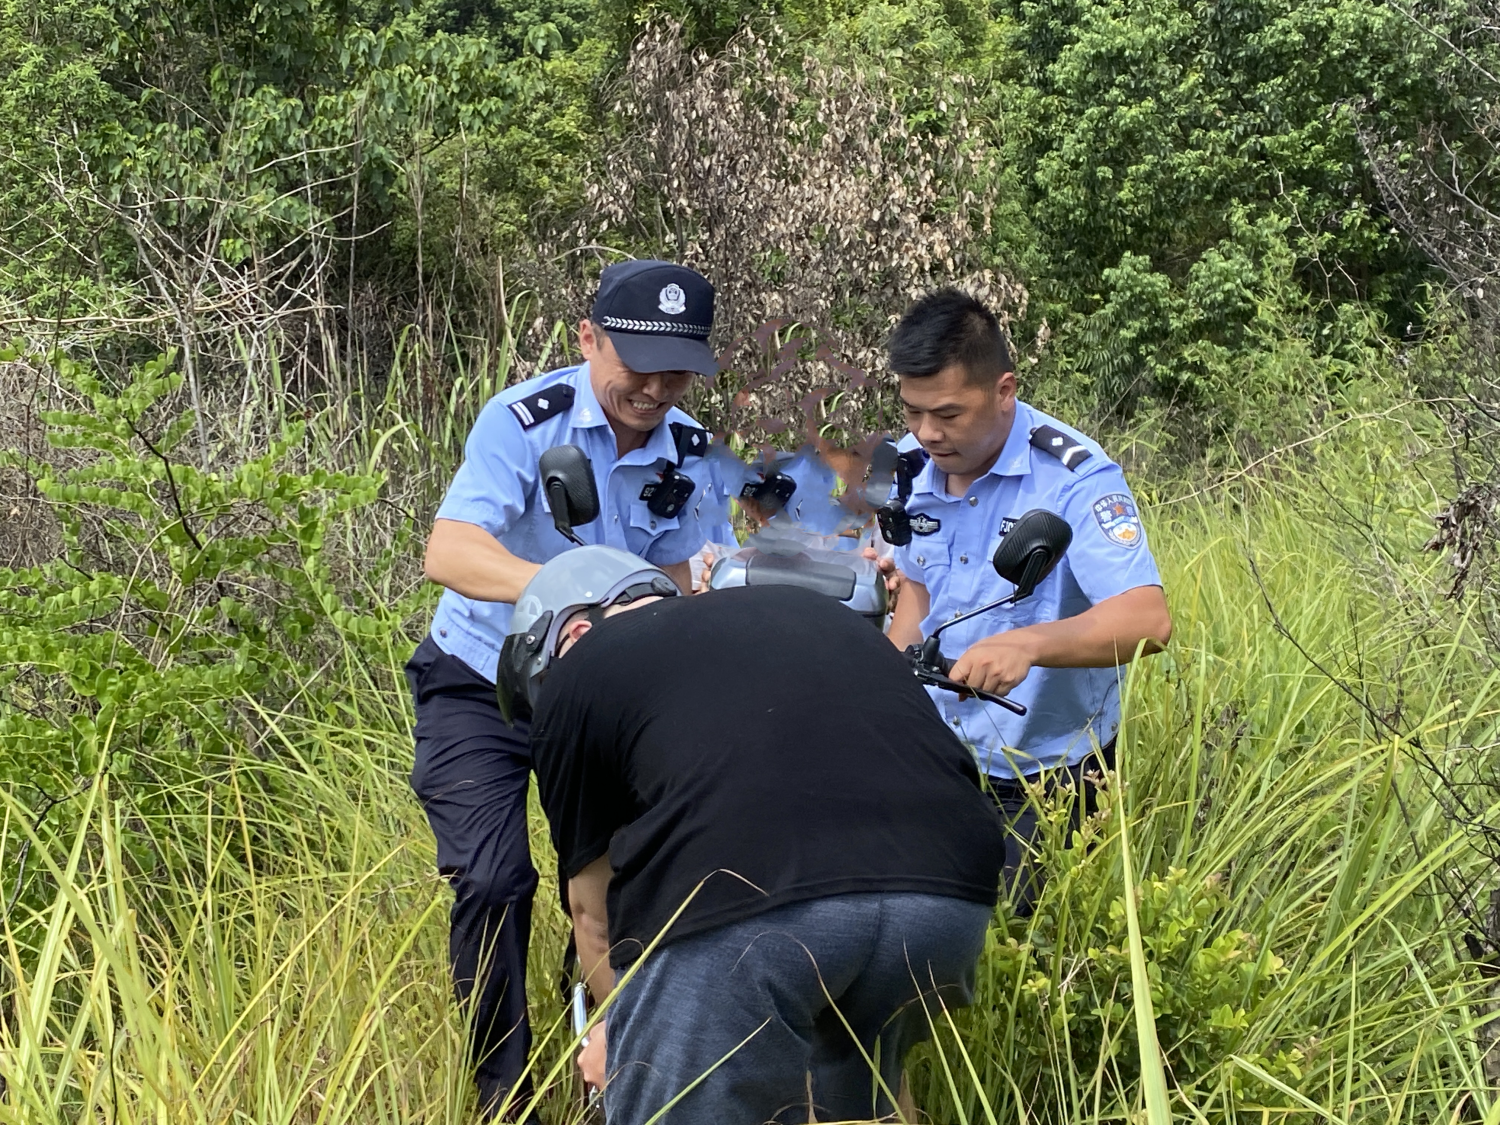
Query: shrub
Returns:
{"type": "Point", "coordinates": [181, 600]}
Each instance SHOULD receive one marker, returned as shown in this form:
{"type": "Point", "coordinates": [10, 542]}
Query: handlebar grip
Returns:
{"type": "Point", "coordinates": [928, 676]}
{"type": "Point", "coordinates": [1010, 705]}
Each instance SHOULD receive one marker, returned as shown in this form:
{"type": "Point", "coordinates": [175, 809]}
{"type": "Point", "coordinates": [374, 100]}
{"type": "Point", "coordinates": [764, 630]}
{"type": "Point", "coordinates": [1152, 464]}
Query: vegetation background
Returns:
{"type": "Point", "coordinates": [262, 262]}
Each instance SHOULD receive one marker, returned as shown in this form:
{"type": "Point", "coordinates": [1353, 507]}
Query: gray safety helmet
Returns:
{"type": "Point", "coordinates": [583, 578]}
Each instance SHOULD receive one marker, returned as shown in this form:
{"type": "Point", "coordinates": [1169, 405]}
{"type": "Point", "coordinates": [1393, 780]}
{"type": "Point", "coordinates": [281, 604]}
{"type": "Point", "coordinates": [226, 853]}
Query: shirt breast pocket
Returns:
{"type": "Point", "coordinates": [1041, 606]}
{"type": "Point", "coordinates": [933, 559]}
{"type": "Point", "coordinates": [646, 523]}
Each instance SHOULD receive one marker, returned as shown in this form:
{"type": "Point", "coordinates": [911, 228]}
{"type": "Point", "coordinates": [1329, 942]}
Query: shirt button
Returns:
{"type": "Point", "coordinates": [973, 500]}
{"type": "Point", "coordinates": [617, 519]}
{"type": "Point", "coordinates": [442, 632]}
{"type": "Point", "coordinates": [953, 719]}
{"type": "Point", "coordinates": [921, 560]}
{"type": "Point", "coordinates": [963, 558]}
{"type": "Point", "coordinates": [653, 525]}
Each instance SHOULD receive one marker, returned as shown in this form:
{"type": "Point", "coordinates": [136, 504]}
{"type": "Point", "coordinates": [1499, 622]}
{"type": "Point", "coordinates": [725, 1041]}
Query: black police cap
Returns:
{"type": "Point", "coordinates": [658, 315]}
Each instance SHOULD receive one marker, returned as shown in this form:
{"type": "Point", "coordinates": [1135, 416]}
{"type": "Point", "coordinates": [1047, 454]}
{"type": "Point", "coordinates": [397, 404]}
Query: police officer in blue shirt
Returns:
{"type": "Point", "coordinates": [989, 458]}
{"type": "Point", "coordinates": [643, 343]}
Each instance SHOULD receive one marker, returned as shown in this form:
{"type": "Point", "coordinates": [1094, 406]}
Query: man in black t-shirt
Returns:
{"type": "Point", "coordinates": [768, 834]}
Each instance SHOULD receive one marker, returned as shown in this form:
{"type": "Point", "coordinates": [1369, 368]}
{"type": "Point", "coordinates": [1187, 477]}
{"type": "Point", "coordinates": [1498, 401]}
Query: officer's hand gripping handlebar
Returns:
{"type": "Point", "coordinates": [1026, 555]}
{"type": "Point", "coordinates": [931, 667]}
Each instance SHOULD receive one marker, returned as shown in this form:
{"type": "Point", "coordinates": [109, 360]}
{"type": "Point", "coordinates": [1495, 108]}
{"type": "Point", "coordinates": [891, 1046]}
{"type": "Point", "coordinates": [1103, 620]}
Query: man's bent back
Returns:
{"type": "Point", "coordinates": [766, 757]}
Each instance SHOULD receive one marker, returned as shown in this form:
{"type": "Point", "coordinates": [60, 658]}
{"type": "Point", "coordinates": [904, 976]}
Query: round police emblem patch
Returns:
{"type": "Point", "coordinates": [1119, 520]}
{"type": "Point", "coordinates": [672, 300]}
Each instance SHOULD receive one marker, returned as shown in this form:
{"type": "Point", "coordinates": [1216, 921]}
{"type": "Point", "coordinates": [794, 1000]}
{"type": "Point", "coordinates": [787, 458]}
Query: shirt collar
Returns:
{"type": "Point", "coordinates": [1014, 459]}
{"type": "Point", "coordinates": [587, 413]}
{"type": "Point", "coordinates": [661, 443]}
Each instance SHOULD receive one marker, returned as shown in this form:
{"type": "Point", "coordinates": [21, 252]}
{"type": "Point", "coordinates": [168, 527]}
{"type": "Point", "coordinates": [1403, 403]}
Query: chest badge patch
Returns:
{"type": "Point", "coordinates": [1119, 520]}
{"type": "Point", "coordinates": [922, 524]}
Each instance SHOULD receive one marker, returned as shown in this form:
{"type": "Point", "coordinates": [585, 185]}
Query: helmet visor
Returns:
{"type": "Point", "coordinates": [512, 677]}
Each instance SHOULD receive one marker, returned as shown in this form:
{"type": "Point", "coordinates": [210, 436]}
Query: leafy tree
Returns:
{"type": "Point", "coordinates": [231, 127]}
{"type": "Point", "coordinates": [51, 87]}
{"type": "Point", "coordinates": [516, 28]}
{"type": "Point", "coordinates": [1172, 147]}
{"type": "Point", "coordinates": [181, 600]}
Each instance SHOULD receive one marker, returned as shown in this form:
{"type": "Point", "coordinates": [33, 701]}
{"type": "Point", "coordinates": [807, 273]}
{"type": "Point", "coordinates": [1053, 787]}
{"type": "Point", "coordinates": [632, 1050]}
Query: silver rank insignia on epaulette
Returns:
{"type": "Point", "coordinates": [691, 441]}
{"type": "Point", "coordinates": [538, 406]}
{"type": "Point", "coordinates": [1058, 444]}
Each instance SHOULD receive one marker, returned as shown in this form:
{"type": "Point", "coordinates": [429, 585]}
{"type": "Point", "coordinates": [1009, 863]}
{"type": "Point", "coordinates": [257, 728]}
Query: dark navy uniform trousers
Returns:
{"type": "Point", "coordinates": [1023, 877]}
{"type": "Point", "coordinates": [471, 775]}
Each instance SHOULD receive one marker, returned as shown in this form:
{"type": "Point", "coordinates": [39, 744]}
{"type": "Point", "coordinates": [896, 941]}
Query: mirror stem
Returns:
{"type": "Point", "coordinates": [1036, 562]}
{"type": "Point", "coordinates": [557, 496]}
{"type": "Point", "coordinates": [1007, 600]}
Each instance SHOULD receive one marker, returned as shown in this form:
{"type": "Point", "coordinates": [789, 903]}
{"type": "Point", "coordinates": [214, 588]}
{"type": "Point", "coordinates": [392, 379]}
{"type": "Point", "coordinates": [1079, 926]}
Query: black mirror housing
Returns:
{"type": "Point", "coordinates": [567, 479]}
{"type": "Point", "coordinates": [1031, 548]}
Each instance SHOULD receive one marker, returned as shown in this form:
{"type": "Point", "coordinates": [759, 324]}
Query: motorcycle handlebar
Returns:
{"type": "Point", "coordinates": [937, 674]}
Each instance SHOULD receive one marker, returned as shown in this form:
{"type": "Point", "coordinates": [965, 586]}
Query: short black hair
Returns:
{"type": "Point", "coordinates": [945, 327]}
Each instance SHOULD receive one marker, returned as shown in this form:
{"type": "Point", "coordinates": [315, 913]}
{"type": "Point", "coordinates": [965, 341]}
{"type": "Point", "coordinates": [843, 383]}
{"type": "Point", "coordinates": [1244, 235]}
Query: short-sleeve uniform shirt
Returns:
{"type": "Point", "coordinates": [1044, 464]}
{"type": "Point", "coordinates": [496, 488]}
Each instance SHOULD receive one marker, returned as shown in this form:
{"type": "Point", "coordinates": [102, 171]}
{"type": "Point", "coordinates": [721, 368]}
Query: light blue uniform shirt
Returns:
{"type": "Point", "coordinates": [496, 488]}
{"type": "Point", "coordinates": [1070, 710]}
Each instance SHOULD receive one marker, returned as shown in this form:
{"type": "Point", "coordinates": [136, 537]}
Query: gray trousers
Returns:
{"type": "Point", "coordinates": [783, 1016]}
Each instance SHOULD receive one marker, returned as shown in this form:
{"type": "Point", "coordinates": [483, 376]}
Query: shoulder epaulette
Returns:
{"type": "Point", "coordinates": [540, 405]}
{"type": "Point", "coordinates": [1054, 442]}
{"type": "Point", "coordinates": [691, 441]}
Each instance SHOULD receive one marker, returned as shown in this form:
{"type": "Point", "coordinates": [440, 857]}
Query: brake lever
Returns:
{"type": "Point", "coordinates": [937, 679]}
{"type": "Point", "coordinates": [936, 674]}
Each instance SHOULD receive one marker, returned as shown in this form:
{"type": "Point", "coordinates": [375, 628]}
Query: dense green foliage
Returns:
{"type": "Point", "coordinates": [236, 128]}
{"type": "Point", "coordinates": [178, 593]}
{"type": "Point", "coordinates": [1172, 181]}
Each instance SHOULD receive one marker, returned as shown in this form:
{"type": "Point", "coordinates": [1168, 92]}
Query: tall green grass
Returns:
{"type": "Point", "coordinates": [1301, 950]}
{"type": "Point", "coordinates": [275, 951]}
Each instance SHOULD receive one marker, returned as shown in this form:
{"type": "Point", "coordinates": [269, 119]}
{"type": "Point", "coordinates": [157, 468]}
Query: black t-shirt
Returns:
{"type": "Point", "coordinates": [765, 742]}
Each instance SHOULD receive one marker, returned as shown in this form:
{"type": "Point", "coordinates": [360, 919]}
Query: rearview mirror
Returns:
{"type": "Point", "coordinates": [1030, 549]}
{"type": "Point", "coordinates": [882, 474]}
{"type": "Point", "coordinates": [568, 483]}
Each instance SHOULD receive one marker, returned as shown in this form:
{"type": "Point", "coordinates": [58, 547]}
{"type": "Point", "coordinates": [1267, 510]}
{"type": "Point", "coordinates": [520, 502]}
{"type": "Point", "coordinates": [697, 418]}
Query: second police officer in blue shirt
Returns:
{"type": "Point", "coordinates": [990, 457]}
{"type": "Point", "coordinates": [643, 344]}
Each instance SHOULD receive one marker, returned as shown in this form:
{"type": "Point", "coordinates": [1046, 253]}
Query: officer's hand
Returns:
{"type": "Point", "coordinates": [888, 571]}
{"type": "Point", "coordinates": [591, 1060]}
{"type": "Point", "coordinates": [708, 556]}
{"type": "Point", "coordinates": [995, 664]}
